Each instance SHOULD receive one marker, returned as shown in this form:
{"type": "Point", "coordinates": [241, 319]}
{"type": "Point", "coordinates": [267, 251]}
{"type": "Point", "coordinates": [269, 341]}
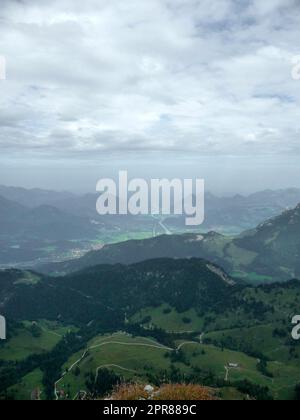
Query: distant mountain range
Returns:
{"type": "Point", "coordinates": [80, 205]}
{"type": "Point", "coordinates": [47, 216]}
{"type": "Point", "coordinates": [268, 253]}
{"type": "Point", "coordinates": [43, 222]}
{"type": "Point", "coordinates": [238, 212]}
{"type": "Point", "coordinates": [33, 197]}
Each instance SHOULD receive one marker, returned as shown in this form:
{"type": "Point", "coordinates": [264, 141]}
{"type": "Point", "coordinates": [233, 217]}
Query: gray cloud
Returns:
{"type": "Point", "coordinates": [200, 77]}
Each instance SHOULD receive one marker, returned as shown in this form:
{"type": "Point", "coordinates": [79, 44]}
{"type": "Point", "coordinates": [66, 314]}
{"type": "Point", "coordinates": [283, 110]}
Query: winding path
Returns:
{"type": "Point", "coordinates": [112, 365]}
{"type": "Point", "coordinates": [154, 345]}
{"type": "Point", "coordinates": [159, 346]}
{"type": "Point", "coordinates": [226, 373]}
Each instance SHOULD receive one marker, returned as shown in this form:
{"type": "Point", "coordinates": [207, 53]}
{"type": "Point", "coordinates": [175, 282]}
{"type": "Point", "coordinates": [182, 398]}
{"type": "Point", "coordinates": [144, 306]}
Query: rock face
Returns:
{"type": "Point", "coordinates": [221, 274]}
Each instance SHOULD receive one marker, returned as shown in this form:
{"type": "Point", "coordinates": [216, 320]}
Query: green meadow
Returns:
{"type": "Point", "coordinates": [24, 343]}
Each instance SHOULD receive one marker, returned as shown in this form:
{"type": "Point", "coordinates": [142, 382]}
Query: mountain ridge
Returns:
{"type": "Point", "coordinates": [270, 251]}
{"type": "Point", "coordinates": [43, 221]}
{"type": "Point", "coordinates": [107, 288]}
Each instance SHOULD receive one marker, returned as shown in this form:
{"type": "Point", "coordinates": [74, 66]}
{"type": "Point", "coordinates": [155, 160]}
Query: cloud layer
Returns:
{"type": "Point", "coordinates": [100, 76]}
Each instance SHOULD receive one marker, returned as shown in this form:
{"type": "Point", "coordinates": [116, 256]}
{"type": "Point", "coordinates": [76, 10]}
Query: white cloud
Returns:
{"type": "Point", "coordinates": [191, 76]}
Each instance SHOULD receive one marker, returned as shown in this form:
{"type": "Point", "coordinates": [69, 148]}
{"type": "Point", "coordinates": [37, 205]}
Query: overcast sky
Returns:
{"type": "Point", "coordinates": [196, 82]}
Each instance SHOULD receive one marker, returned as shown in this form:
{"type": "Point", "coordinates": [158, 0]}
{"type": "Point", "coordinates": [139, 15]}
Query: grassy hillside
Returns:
{"type": "Point", "coordinates": [169, 319]}
{"type": "Point", "coordinates": [191, 306]}
{"type": "Point", "coordinates": [30, 387]}
{"type": "Point", "coordinates": [32, 338]}
{"type": "Point", "coordinates": [138, 360]}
